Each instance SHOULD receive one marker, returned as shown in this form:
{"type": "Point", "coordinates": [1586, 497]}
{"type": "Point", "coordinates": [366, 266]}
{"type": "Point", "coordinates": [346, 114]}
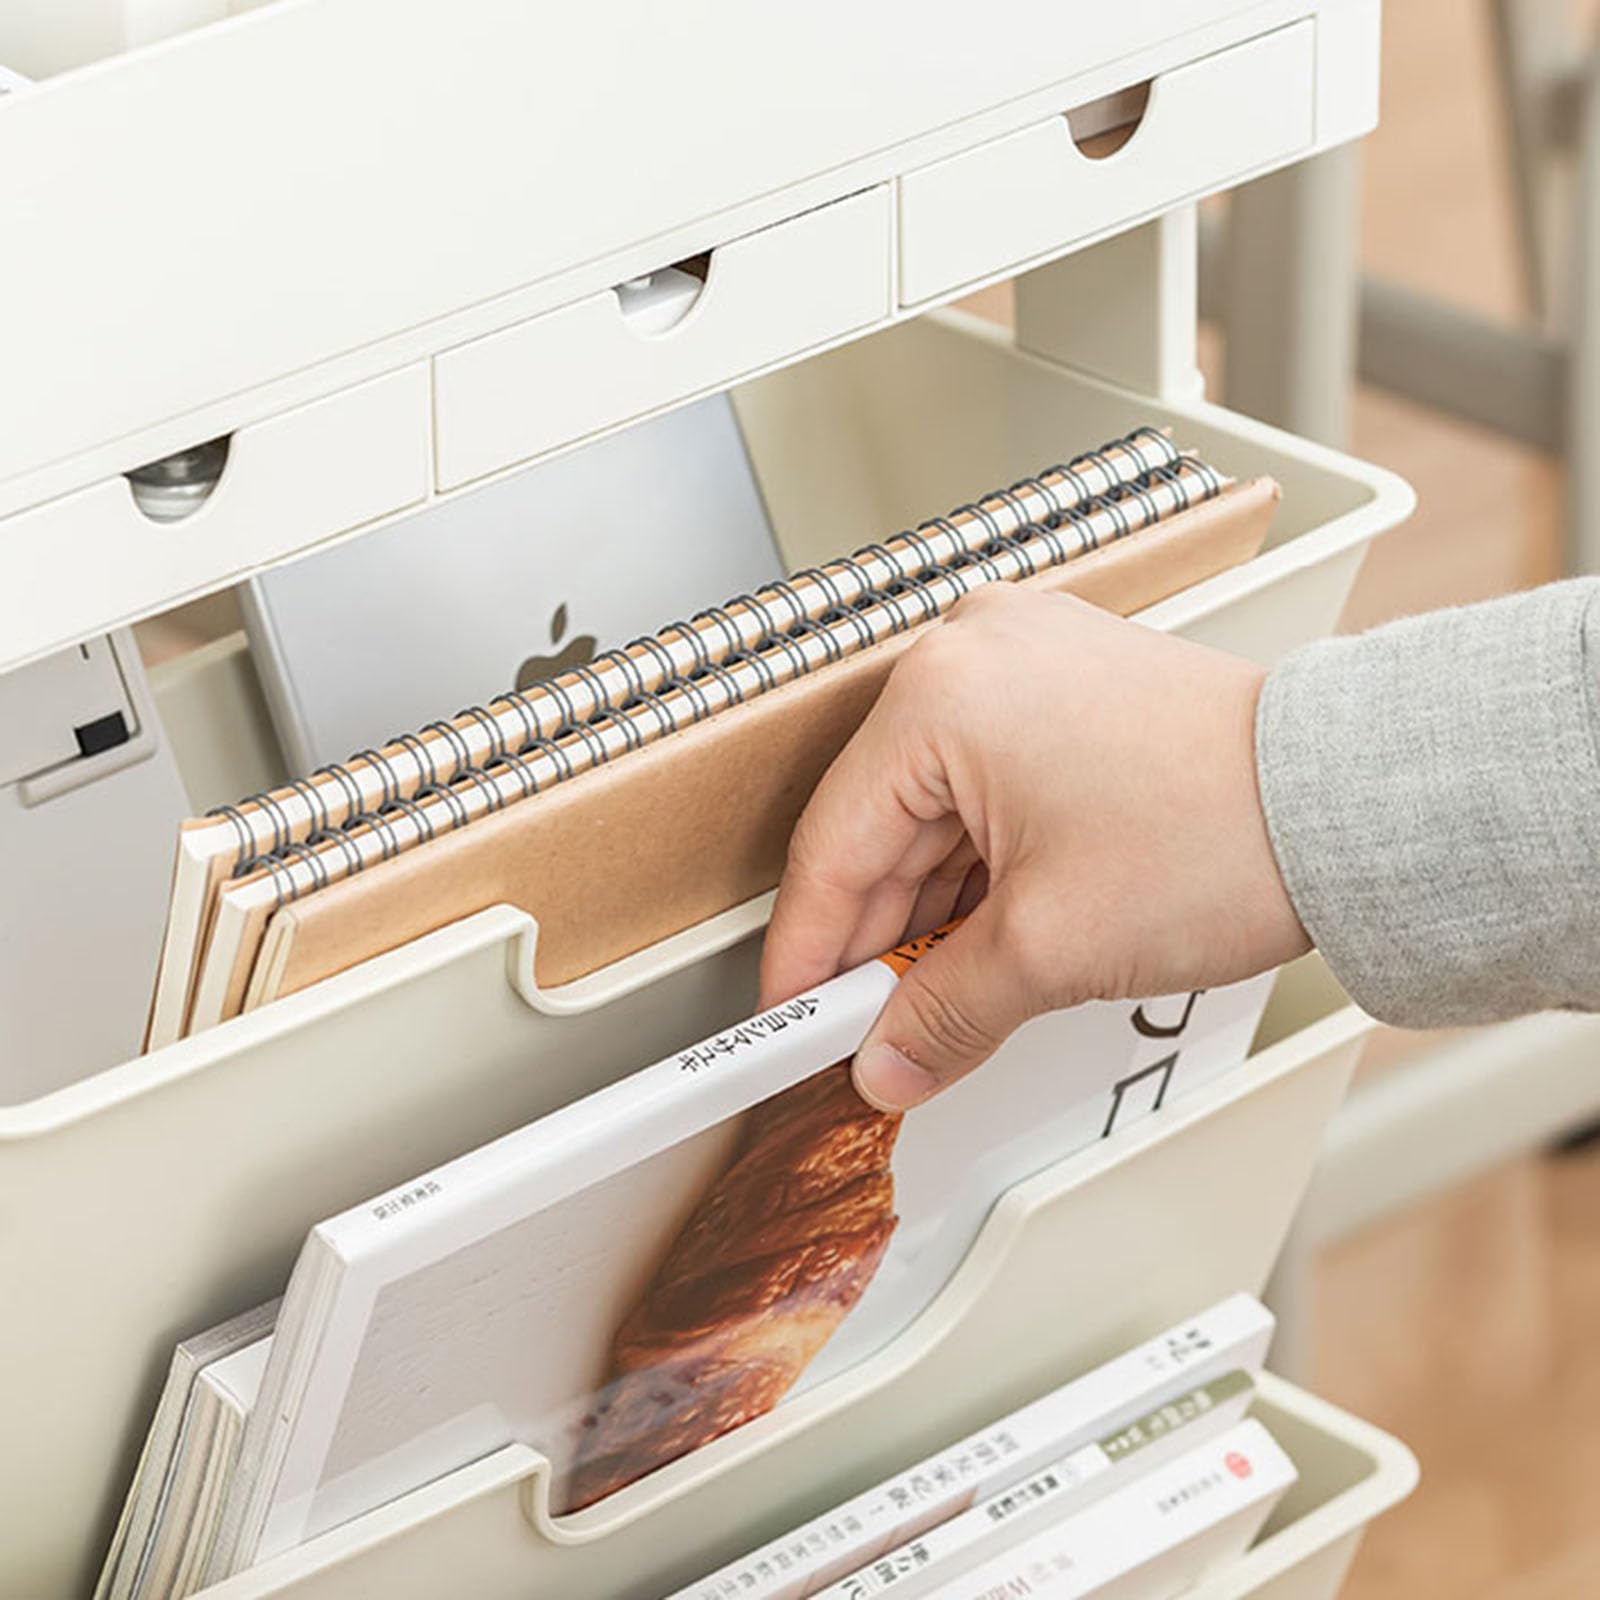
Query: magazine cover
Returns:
{"type": "Point", "coordinates": [667, 1259]}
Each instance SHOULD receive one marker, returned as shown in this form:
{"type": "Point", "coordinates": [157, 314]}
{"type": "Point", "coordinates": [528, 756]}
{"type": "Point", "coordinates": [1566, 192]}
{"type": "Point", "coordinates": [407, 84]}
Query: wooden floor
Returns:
{"type": "Point", "coordinates": [1471, 1329]}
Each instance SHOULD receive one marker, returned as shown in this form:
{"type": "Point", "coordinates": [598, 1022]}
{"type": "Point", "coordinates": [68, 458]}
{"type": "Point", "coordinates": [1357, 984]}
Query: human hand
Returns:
{"type": "Point", "coordinates": [1083, 786]}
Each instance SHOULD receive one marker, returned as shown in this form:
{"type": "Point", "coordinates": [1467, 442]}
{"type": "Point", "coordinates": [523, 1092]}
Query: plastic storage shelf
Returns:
{"type": "Point", "coordinates": [362, 280]}
{"type": "Point", "coordinates": [1089, 1256]}
{"type": "Point", "coordinates": [167, 1234]}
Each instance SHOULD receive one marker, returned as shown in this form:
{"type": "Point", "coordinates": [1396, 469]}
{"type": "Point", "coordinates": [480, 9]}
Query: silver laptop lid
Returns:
{"type": "Point", "coordinates": [509, 584]}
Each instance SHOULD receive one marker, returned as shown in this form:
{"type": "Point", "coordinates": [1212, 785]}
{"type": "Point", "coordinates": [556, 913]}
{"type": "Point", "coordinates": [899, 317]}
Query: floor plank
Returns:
{"type": "Point", "coordinates": [1471, 1329]}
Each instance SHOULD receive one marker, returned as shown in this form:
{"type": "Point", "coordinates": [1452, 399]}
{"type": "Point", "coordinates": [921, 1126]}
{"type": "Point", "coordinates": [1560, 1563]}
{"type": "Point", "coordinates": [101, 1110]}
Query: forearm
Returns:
{"type": "Point", "coordinates": [1432, 792]}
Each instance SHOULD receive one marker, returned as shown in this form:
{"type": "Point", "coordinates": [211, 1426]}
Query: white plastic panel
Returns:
{"type": "Point", "coordinates": [181, 1185]}
{"type": "Point", "coordinates": [1034, 193]}
{"type": "Point", "coordinates": [320, 191]}
{"type": "Point", "coordinates": [569, 373]}
{"type": "Point", "coordinates": [1349, 1471]}
{"type": "Point", "coordinates": [911, 420]}
{"type": "Point", "coordinates": [1072, 1266]}
{"type": "Point", "coordinates": [87, 560]}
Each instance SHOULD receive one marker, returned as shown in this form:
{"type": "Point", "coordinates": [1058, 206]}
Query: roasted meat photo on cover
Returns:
{"type": "Point", "coordinates": [772, 1259]}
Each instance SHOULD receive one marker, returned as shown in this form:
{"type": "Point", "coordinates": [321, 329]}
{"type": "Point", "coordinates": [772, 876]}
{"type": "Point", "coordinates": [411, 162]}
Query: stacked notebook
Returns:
{"type": "Point", "coordinates": [582, 800]}
{"type": "Point", "coordinates": [655, 1264]}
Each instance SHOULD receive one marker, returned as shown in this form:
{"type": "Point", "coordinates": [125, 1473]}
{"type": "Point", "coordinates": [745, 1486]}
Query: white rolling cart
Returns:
{"type": "Point", "coordinates": [394, 272]}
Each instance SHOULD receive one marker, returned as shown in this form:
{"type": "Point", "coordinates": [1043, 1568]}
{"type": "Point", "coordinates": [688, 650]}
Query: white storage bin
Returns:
{"type": "Point", "coordinates": [1073, 1265]}
{"type": "Point", "coordinates": [180, 1185]}
{"type": "Point", "coordinates": [1036, 193]}
{"type": "Point", "coordinates": [573, 372]}
{"type": "Point", "coordinates": [1350, 1472]}
{"type": "Point", "coordinates": [93, 559]}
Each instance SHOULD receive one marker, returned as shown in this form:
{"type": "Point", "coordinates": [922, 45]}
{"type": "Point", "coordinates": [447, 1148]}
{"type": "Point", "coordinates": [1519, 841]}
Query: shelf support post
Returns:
{"type": "Point", "coordinates": [1124, 309]}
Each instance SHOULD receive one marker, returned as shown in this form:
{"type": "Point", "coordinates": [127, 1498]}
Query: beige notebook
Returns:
{"type": "Point", "coordinates": [306, 832]}
{"type": "Point", "coordinates": [232, 978]}
{"type": "Point", "coordinates": [627, 854]}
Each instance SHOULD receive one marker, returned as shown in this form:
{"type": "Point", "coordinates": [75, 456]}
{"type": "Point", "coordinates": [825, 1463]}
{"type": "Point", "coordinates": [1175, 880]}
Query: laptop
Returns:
{"type": "Point", "coordinates": [510, 584]}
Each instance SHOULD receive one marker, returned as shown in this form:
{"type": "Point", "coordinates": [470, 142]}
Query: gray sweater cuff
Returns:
{"type": "Point", "coordinates": [1432, 791]}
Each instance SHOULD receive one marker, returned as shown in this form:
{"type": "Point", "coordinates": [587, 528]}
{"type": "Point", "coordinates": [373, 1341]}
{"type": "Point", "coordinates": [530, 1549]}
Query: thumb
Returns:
{"type": "Point", "coordinates": [947, 1015]}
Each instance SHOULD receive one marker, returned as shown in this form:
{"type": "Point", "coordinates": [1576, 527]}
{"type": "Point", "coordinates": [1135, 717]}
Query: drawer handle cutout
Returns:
{"type": "Point", "coordinates": [177, 486]}
{"type": "Point", "coordinates": [1102, 127]}
{"type": "Point", "coordinates": [657, 302]}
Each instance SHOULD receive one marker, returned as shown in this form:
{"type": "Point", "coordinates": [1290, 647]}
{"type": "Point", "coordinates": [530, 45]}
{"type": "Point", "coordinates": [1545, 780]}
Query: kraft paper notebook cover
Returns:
{"type": "Point", "coordinates": [348, 815]}
{"type": "Point", "coordinates": [627, 854]}
{"type": "Point", "coordinates": [852, 606]}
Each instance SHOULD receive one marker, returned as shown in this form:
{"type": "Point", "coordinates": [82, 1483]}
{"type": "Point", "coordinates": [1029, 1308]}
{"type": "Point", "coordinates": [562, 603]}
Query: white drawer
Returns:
{"type": "Point", "coordinates": [89, 560]}
{"type": "Point", "coordinates": [378, 180]}
{"type": "Point", "coordinates": [1035, 193]}
{"type": "Point", "coordinates": [559, 377]}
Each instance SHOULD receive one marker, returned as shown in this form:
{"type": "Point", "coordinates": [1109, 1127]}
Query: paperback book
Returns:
{"type": "Point", "coordinates": [1065, 1487]}
{"type": "Point", "coordinates": [683, 1249]}
{"type": "Point", "coordinates": [163, 1540]}
{"type": "Point", "coordinates": [1228, 1341]}
{"type": "Point", "coordinates": [1150, 1540]}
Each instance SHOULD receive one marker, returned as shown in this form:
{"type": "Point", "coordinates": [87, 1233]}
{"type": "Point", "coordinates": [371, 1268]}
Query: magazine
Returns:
{"type": "Point", "coordinates": [666, 1259]}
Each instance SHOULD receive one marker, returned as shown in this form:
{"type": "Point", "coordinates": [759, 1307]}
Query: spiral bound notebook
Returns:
{"type": "Point", "coordinates": [259, 905]}
{"type": "Point", "coordinates": [337, 799]}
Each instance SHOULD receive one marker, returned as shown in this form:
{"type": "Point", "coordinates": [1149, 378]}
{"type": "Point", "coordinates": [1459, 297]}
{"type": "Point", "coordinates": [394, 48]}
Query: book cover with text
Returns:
{"type": "Point", "coordinates": [669, 1258]}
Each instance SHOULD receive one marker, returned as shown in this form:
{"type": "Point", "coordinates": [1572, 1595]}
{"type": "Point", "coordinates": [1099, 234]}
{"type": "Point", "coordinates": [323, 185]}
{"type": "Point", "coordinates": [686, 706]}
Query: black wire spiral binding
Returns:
{"type": "Point", "coordinates": [376, 823]}
{"type": "Point", "coordinates": [420, 819]}
{"type": "Point", "coordinates": [386, 775]}
{"type": "Point", "coordinates": [460, 816]}
{"type": "Point", "coordinates": [240, 824]}
{"type": "Point", "coordinates": [527, 779]}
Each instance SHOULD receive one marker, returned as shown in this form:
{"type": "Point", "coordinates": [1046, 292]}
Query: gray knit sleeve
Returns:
{"type": "Point", "coordinates": [1432, 790]}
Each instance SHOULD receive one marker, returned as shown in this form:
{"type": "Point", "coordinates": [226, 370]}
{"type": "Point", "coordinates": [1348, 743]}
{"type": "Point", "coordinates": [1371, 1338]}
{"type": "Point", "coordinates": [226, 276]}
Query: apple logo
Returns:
{"type": "Point", "coordinates": [538, 669]}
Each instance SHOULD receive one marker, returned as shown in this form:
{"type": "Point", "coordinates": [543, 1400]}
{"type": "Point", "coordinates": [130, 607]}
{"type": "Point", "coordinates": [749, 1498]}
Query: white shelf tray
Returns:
{"type": "Point", "coordinates": [179, 1185]}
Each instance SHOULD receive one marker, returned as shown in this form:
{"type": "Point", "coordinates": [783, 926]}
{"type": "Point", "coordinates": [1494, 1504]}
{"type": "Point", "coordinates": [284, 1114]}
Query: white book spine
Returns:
{"type": "Point", "coordinates": [1231, 1335]}
{"type": "Point", "coordinates": [1171, 1526]}
{"type": "Point", "coordinates": [1068, 1485]}
{"type": "Point", "coordinates": [579, 1145]}
{"type": "Point", "coordinates": [592, 1139]}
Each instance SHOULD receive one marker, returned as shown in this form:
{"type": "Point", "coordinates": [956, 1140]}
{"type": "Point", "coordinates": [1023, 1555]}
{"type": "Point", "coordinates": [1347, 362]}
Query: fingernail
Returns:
{"type": "Point", "coordinates": [891, 1081]}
